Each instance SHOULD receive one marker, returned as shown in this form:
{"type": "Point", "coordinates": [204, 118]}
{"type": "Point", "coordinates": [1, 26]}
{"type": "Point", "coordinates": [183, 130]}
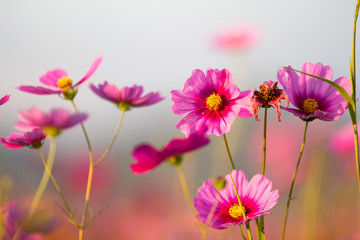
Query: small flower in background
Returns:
{"type": "Point", "coordinates": [147, 157]}
{"type": "Point", "coordinates": [51, 123]}
{"type": "Point", "coordinates": [16, 226]}
{"type": "Point", "coordinates": [212, 101]}
{"type": "Point", "coordinates": [256, 198]}
{"type": "Point", "coordinates": [268, 95]}
{"type": "Point", "coordinates": [4, 99]}
{"type": "Point", "coordinates": [126, 97]}
{"type": "Point", "coordinates": [236, 38]}
{"type": "Point", "coordinates": [312, 97]}
{"type": "Point", "coordinates": [32, 139]}
{"type": "Point", "coordinates": [59, 82]}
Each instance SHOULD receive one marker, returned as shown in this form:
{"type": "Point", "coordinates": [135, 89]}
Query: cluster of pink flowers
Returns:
{"type": "Point", "coordinates": [210, 103]}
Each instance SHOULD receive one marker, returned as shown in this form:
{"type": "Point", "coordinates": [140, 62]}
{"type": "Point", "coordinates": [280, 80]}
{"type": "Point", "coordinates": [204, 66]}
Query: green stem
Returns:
{"type": "Point", "coordinates": [241, 231]}
{"type": "Point", "coordinates": [293, 181]}
{"type": "Point", "coordinates": [185, 191]}
{"type": "Point", "coordinates": [353, 95]}
{"type": "Point", "coordinates": [228, 152]}
{"type": "Point", "coordinates": [243, 212]}
{"type": "Point", "coordinates": [89, 182]}
{"type": "Point", "coordinates": [48, 171]}
{"type": "Point", "coordinates": [44, 179]}
{"type": "Point", "coordinates": [112, 141]}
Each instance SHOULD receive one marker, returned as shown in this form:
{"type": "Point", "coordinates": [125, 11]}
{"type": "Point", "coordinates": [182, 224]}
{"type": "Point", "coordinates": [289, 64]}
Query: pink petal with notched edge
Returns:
{"type": "Point", "coordinates": [147, 158]}
{"type": "Point", "coordinates": [91, 70]}
{"type": "Point", "coordinates": [51, 78]}
{"type": "Point", "coordinates": [4, 99]}
{"type": "Point", "coordinates": [39, 90]}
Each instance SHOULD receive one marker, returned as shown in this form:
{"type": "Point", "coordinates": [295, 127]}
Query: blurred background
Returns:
{"type": "Point", "coordinates": [157, 44]}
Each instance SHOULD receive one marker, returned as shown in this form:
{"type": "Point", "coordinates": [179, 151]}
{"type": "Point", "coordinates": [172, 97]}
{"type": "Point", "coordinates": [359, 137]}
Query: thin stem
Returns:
{"type": "Point", "coordinates": [243, 212]}
{"type": "Point", "coordinates": [293, 181]}
{"type": "Point", "coordinates": [228, 152]}
{"type": "Point", "coordinates": [353, 95]}
{"type": "Point", "coordinates": [185, 191]}
{"type": "Point", "coordinates": [112, 141]}
{"type": "Point", "coordinates": [48, 171]}
{"type": "Point", "coordinates": [241, 231]}
{"type": "Point", "coordinates": [44, 179]}
{"type": "Point", "coordinates": [89, 182]}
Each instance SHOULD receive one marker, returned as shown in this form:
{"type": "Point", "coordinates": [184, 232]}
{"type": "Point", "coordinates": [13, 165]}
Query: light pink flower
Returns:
{"type": "Point", "coordinates": [212, 101]}
{"type": "Point", "coordinates": [236, 38]}
{"type": "Point", "coordinates": [147, 157]}
{"type": "Point", "coordinates": [52, 123]}
{"type": "Point", "coordinates": [59, 82]}
{"type": "Point", "coordinates": [312, 97]}
{"type": "Point", "coordinates": [220, 208]}
{"type": "Point", "coordinates": [32, 139]}
{"type": "Point", "coordinates": [4, 99]}
{"type": "Point", "coordinates": [126, 97]}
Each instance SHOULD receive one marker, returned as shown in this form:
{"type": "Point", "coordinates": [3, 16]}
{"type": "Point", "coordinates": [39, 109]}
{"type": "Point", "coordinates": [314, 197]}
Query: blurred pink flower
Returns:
{"type": "Point", "coordinates": [4, 99]}
{"type": "Point", "coordinates": [268, 95]}
{"type": "Point", "coordinates": [52, 123]}
{"type": "Point", "coordinates": [126, 97]}
{"type": "Point", "coordinates": [212, 101]}
{"type": "Point", "coordinates": [147, 157]}
{"type": "Point", "coordinates": [32, 139]}
{"type": "Point", "coordinates": [236, 38]}
{"type": "Point", "coordinates": [312, 97]}
{"type": "Point", "coordinates": [58, 81]}
{"type": "Point", "coordinates": [256, 198]}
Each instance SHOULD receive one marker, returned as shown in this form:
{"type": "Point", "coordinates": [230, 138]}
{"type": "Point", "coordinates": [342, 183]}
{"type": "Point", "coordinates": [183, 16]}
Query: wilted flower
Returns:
{"type": "Point", "coordinates": [32, 139]}
{"type": "Point", "coordinates": [256, 198]}
{"type": "Point", "coordinates": [51, 123]}
{"type": "Point", "coordinates": [312, 97]}
{"type": "Point", "coordinates": [59, 82]}
{"type": "Point", "coordinates": [268, 95]}
{"type": "Point", "coordinates": [126, 97]}
{"type": "Point", "coordinates": [212, 101]}
{"type": "Point", "coordinates": [148, 157]}
{"type": "Point", "coordinates": [4, 99]}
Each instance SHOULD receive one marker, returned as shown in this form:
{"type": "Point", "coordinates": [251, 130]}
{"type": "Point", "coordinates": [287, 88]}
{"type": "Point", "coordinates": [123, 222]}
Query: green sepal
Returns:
{"type": "Point", "coordinates": [175, 160]}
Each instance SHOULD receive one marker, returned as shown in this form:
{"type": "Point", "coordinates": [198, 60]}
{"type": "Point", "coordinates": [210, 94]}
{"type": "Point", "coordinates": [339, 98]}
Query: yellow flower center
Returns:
{"type": "Point", "coordinates": [64, 83]}
{"type": "Point", "coordinates": [309, 106]}
{"type": "Point", "coordinates": [235, 211]}
{"type": "Point", "coordinates": [214, 102]}
{"type": "Point", "coordinates": [52, 131]}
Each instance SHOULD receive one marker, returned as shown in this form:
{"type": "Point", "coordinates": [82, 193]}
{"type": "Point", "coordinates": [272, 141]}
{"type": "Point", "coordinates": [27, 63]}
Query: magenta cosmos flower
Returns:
{"type": "Point", "coordinates": [147, 157]}
{"type": "Point", "coordinates": [220, 208]}
{"type": "Point", "coordinates": [59, 82]}
{"type": "Point", "coordinates": [312, 97]}
{"type": "Point", "coordinates": [212, 101]}
{"type": "Point", "coordinates": [4, 99]}
{"type": "Point", "coordinates": [268, 95]}
{"type": "Point", "coordinates": [32, 139]}
{"type": "Point", "coordinates": [51, 123]}
{"type": "Point", "coordinates": [126, 97]}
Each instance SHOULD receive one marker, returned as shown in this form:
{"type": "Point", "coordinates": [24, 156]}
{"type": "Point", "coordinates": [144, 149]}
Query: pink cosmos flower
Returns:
{"type": "Point", "coordinates": [58, 81]}
{"type": "Point", "coordinates": [147, 157]}
{"type": "Point", "coordinates": [221, 209]}
{"type": "Point", "coordinates": [4, 99]}
{"type": "Point", "coordinates": [51, 123]}
{"type": "Point", "coordinates": [212, 101]}
{"type": "Point", "coordinates": [236, 38]}
{"type": "Point", "coordinates": [32, 139]}
{"type": "Point", "coordinates": [127, 96]}
{"type": "Point", "coordinates": [268, 95]}
{"type": "Point", "coordinates": [312, 97]}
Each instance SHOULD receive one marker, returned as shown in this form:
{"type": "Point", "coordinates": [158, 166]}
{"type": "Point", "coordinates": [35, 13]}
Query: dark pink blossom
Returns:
{"type": "Point", "coordinates": [32, 139]}
{"type": "Point", "coordinates": [212, 101]}
{"type": "Point", "coordinates": [312, 97]}
{"type": "Point", "coordinates": [220, 208]}
{"type": "Point", "coordinates": [4, 99]}
{"type": "Point", "coordinates": [147, 157]}
{"type": "Point", "coordinates": [268, 95]}
{"type": "Point", "coordinates": [59, 82]}
{"type": "Point", "coordinates": [126, 97]}
{"type": "Point", "coordinates": [51, 123]}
